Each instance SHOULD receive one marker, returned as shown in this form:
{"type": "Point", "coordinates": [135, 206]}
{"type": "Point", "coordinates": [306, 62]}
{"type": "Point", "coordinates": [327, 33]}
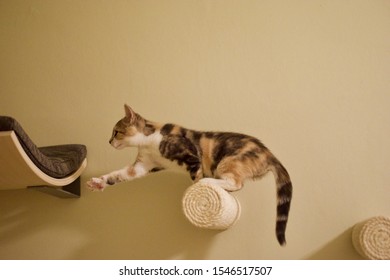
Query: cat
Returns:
{"type": "Point", "coordinates": [222, 158]}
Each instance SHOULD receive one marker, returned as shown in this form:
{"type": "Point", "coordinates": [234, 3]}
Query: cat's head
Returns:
{"type": "Point", "coordinates": [128, 131]}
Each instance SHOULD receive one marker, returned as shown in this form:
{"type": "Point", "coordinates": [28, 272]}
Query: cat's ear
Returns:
{"type": "Point", "coordinates": [130, 114]}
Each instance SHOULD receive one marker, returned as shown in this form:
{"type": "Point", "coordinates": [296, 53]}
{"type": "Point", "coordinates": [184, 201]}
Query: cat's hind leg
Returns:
{"type": "Point", "coordinates": [228, 175]}
{"type": "Point", "coordinates": [226, 183]}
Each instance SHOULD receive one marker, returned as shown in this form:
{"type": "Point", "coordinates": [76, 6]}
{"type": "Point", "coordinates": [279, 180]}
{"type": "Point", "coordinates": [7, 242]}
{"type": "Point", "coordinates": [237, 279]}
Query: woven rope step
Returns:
{"type": "Point", "coordinates": [371, 238]}
{"type": "Point", "coordinates": [209, 206]}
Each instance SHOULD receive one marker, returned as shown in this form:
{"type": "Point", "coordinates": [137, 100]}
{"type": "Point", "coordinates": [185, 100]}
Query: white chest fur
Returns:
{"type": "Point", "coordinates": [150, 154]}
{"type": "Point", "coordinates": [152, 157]}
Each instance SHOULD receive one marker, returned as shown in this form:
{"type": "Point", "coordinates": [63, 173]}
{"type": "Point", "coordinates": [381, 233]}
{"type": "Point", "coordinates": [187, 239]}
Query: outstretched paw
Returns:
{"type": "Point", "coordinates": [96, 184]}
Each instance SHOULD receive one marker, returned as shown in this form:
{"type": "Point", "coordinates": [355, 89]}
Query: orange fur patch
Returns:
{"type": "Point", "coordinates": [207, 146]}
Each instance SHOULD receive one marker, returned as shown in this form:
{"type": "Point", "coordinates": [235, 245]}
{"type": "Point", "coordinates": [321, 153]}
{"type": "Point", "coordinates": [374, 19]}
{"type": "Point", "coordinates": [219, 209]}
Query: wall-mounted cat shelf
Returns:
{"type": "Point", "coordinates": [55, 169]}
{"type": "Point", "coordinates": [211, 207]}
{"type": "Point", "coordinates": [371, 238]}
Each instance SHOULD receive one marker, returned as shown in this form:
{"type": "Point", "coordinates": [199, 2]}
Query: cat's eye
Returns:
{"type": "Point", "coordinates": [116, 133]}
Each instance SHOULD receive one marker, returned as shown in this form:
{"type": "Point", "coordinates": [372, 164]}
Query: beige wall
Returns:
{"type": "Point", "coordinates": [309, 78]}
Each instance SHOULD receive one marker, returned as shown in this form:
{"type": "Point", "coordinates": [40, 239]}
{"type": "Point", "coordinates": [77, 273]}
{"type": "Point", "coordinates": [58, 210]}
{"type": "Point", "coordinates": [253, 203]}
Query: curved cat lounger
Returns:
{"type": "Point", "coordinates": [54, 169]}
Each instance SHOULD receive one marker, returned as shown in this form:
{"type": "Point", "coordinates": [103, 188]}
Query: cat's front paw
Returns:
{"type": "Point", "coordinates": [96, 184]}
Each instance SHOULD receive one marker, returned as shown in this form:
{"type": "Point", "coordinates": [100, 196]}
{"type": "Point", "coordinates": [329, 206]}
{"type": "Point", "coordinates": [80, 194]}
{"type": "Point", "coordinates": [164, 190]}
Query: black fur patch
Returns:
{"type": "Point", "coordinates": [110, 181]}
{"type": "Point", "coordinates": [280, 232]}
{"type": "Point", "coordinates": [283, 209]}
{"type": "Point", "coordinates": [228, 144]}
{"type": "Point", "coordinates": [285, 190]}
{"type": "Point", "coordinates": [156, 169]}
{"type": "Point", "coordinates": [183, 131]}
{"type": "Point", "coordinates": [149, 129]}
{"type": "Point", "coordinates": [181, 150]}
{"type": "Point", "coordinates": [252, 154]}
{"type": "Point", "coordinates": [166, 129]}
{"type": "Point", "coordinates": [195, 136]}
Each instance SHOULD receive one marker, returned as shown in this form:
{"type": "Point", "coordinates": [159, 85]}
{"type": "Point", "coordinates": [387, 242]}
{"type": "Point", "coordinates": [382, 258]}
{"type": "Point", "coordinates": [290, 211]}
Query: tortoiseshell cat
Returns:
{"type": "Point", "coordinates": [222, 158]}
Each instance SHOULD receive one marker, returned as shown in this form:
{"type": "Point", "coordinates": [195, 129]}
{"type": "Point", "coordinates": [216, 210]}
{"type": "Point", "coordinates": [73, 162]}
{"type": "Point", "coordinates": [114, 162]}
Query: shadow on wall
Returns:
{"type": "Point", "coordinates": [142, 219]}
{"type": "Point", "coordinates": [340, 248]}
{"type": "Point", "coordinates": [149, 222]}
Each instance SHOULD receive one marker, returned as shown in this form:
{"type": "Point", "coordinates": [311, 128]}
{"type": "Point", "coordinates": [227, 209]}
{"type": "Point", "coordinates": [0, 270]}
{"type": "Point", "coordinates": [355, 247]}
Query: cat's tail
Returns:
{"type": "Point", "coordinates": [283, 194]}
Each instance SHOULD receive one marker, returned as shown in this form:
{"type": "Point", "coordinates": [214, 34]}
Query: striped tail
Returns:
{"type": "Point", "coordinates": [284, 195]}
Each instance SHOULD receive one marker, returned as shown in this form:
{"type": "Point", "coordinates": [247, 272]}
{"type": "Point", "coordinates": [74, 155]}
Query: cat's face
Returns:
{"type": "Point", "coordinates": [126, 131]}
{"type": "Point", "coordinates": [121, 135]}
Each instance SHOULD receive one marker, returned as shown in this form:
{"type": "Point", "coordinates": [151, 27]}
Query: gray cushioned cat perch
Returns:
{"type": "Point", "coordinates": [54, 169]}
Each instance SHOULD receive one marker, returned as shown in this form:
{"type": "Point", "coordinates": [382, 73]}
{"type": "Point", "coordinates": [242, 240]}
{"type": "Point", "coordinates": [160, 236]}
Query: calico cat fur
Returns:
{"type": "Point", "coordinates": [222, 158]}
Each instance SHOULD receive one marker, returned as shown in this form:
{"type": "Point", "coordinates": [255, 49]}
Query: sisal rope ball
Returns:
{"type": "Point", "coordinates": [209, 206]}
{"type": "Point", "coordinates": [371, 238]}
